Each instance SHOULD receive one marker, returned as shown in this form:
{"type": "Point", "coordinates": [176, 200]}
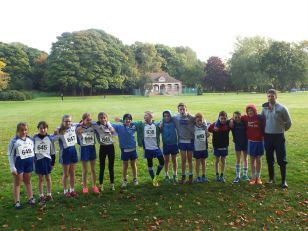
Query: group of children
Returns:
{"type": "Point", "coordinates": [183, 132]}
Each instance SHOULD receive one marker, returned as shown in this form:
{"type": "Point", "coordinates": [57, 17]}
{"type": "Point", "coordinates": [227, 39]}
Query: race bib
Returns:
{"type": "Point", "coordinates": [200, 135]}
{"type": "Point", "coordinates": [106, 139]}
{"type": "Point", "coordinates": [70, 138]}
{"type": "Point", "coordinates": [25, 151]}
{"type": "Point", "coordinates": [42, 148]}
{"type": "Point", "coordinates": [149, 132]}
{"type": "Point", "coordinates": [88, 138]}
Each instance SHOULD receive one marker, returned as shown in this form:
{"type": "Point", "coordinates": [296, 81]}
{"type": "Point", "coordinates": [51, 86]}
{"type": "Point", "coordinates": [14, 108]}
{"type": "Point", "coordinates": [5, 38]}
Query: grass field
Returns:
{"type": "Point", "coordinates": [213, 206]}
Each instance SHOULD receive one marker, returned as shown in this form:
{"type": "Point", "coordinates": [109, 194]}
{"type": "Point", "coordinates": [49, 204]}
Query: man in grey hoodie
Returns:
{"type": "Point", "coordinates": [277, 121]}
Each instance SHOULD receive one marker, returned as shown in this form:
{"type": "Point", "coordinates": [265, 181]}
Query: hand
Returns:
{"type": "Point", "coordinates": [161, 125]}
{"type": "Point", "coordinates": [215, 129]}
{"type": "Point", "coordinates": [14, 173]}
{"type": "Point", "coordinates": [117, 119]}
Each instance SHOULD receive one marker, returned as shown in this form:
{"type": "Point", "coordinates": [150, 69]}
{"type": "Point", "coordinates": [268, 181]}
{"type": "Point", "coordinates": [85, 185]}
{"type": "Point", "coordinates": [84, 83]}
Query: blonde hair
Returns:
{"type": "Point", "coordinates": [200, 115]}
{"type": "Point", "coordinates": [149, 113]}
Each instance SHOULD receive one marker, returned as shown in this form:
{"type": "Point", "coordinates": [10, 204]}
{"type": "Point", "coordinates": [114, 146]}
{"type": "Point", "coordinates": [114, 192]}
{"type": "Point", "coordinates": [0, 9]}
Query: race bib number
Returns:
{"type": "Point", "coordinates": [42, 148]}
{"type": "Point", "coordinates": [25, 151]}
{"type": "Point", "coordinates": [88, 138]}
{"type": "Point", "coordinates": [200, 135]}
{"type": "Point", "coordinates": [106, 140]}
{"type": "Point", "coordinates": [70, 138]}
{"type": "Point", "coordinates": [150, 132]}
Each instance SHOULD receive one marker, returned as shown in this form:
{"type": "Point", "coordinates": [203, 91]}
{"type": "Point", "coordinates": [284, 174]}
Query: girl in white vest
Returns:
{"type": "Point", "coordinates": [86, 140]}
{"type": "Point", "coordinates": [20, 154]}
{"type": "Point", "coordinates": [44, 159]}
{"type": "Point", "coordinates": [66, 134]}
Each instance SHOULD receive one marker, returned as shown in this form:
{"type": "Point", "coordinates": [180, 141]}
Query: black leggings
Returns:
{"type": "Point", "coordinates": [160, 159]}
{"type": "Point", "coordinates": [106, 150]}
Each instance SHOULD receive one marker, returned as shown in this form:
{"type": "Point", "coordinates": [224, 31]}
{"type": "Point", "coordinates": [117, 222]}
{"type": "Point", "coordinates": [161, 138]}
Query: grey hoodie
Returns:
{"type": "Point", "coordinates": [277, 120]}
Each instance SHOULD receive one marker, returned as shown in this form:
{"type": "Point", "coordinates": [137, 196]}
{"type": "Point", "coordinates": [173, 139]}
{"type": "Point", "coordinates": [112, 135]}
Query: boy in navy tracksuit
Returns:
{"type": "Point", "coordinates": [220, 143]}
{"type": "Point", "coordinates": [240, 140]}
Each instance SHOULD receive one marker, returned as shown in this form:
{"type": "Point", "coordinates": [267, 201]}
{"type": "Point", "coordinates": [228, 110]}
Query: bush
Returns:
{"type": "Point", "coordinates": [28, 95]}
{"type": "Point", "coordinates": [12, 95]}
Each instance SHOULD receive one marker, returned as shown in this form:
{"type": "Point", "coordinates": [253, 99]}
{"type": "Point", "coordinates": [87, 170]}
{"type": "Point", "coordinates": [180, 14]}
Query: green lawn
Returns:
{"type": "Point", "coordinates": [214, 206]}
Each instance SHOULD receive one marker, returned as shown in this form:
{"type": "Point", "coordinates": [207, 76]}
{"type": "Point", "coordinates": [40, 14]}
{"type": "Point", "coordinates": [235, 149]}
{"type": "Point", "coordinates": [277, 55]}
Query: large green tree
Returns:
{"type": "Point", "coordinates": [89, 60]}
{"type": "Point", "coordinates": [286, 65]}
{"type": "Point", "coordinates": [245, 68]}
{"type": "Point", "coordinates": [4, 78]}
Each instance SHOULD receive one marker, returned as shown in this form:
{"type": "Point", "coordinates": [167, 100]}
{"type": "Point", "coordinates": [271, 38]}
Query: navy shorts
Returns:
{"type": "Point", "coordinates": [201, 154]}
{"type": "Point", "coordinates": [24, 166]}
{"type": "Point", "coordinates": [87, 153]}
{"type": "Point", "coordinates": [186, 146]}
{"type": "Point", "coordinates": [172, 149]}
{"type": "Point", "coordinates": [240, 147]}
{"type": "Point", "coordinates": [223, 152]}
{"type": "Point", "coordinates": [152, 153]}
{"type": "Point", "coordinates": [68, 156]}
{"type": "Point", "coordinates": [43, 166]}
{"type": "Point", "coordinates": [255, 148]}
{"type": "Point", "coordinates": [125, 156]}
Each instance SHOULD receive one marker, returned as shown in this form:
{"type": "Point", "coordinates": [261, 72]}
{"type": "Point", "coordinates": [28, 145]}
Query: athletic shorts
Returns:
{"type": "Point", "coordinates": [186, 146]}
{"type": "Point", "coordinates": [132, 155]}
{"type": "Point", "coordinates": [172, 149]}
{"type": "Point", "coordinates": [255, 148]}
{"type": "Point", "coordinates": [24, 165]}
{"type": "Point", "coordinates": [240, 147]}
{"type": "Point", "coordinates": [87, 153]}
{"type": "Point", "coordinates": [68, 156]}
{"type": "Point", "coordinates": [220, 152]}
{"type": "Point", "coordinates": [43, 166]}
{"type": "Point", "coordinates": [201, 154]}
{"type": "Point", "coordinates": [152, 153]}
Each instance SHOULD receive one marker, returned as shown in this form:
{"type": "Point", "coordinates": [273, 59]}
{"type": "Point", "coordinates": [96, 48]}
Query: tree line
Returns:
{"type": "Point", "coordinates": [93, 62]}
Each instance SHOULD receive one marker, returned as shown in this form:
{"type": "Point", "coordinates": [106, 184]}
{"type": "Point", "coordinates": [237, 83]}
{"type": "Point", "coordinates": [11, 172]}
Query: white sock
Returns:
{"type": "Point", "coordinates": [71, 189]}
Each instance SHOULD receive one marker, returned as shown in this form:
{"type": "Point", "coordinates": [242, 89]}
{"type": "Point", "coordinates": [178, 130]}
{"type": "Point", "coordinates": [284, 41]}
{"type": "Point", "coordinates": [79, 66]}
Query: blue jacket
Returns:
{"type": "Point", "coordinates": [169, 134]}
{"type": "Point", "coordinates": [126, 135]}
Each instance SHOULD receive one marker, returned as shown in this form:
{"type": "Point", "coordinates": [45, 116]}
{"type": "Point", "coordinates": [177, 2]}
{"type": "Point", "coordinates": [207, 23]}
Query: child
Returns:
{"type": "Point", "coordinates": [200, 146]}
{"type": "Point", "coordinates": [86, 140]}
{"type": "Point", "coordinates": [104, 136]}
{"type": "Point", "coordinates": [255, 127]}
{"type": "Point", "coordinates": [127, 144]}
{"type": "Point", "coordinates": [170, 146]}
{"type": "Point", "coordinates": [44, 159]}
{"type": "Point", "coordinates": [66, 134]}
{"type": "Point", "coordinates": [184, 124]}
{"type": "Point", "coordinates": [238, 129]}
{"type": "Point", "coordinates": [148, 137]}
{"type": "Point", "coordinates": [20, 155]}
{"type": "Point", "coordinates": [220, 144]}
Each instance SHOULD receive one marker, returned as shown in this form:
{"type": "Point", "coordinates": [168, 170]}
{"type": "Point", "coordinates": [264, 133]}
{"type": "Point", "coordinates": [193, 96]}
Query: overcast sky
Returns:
{"type": "Point", "coordinates": [208, 27]}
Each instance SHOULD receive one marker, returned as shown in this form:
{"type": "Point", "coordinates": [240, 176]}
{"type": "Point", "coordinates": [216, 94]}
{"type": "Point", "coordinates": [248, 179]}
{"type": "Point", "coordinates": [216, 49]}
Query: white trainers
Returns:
{"type": "Point", "coordinates": [112, 187]}
{"type": "Point", "coordinates": [135, 181]}
{"type": "Point", "coordinates": [124, 184]}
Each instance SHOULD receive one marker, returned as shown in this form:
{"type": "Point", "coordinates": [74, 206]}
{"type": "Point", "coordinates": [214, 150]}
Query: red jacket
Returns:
{"type": "Point", "coordinates": [254, 125]}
